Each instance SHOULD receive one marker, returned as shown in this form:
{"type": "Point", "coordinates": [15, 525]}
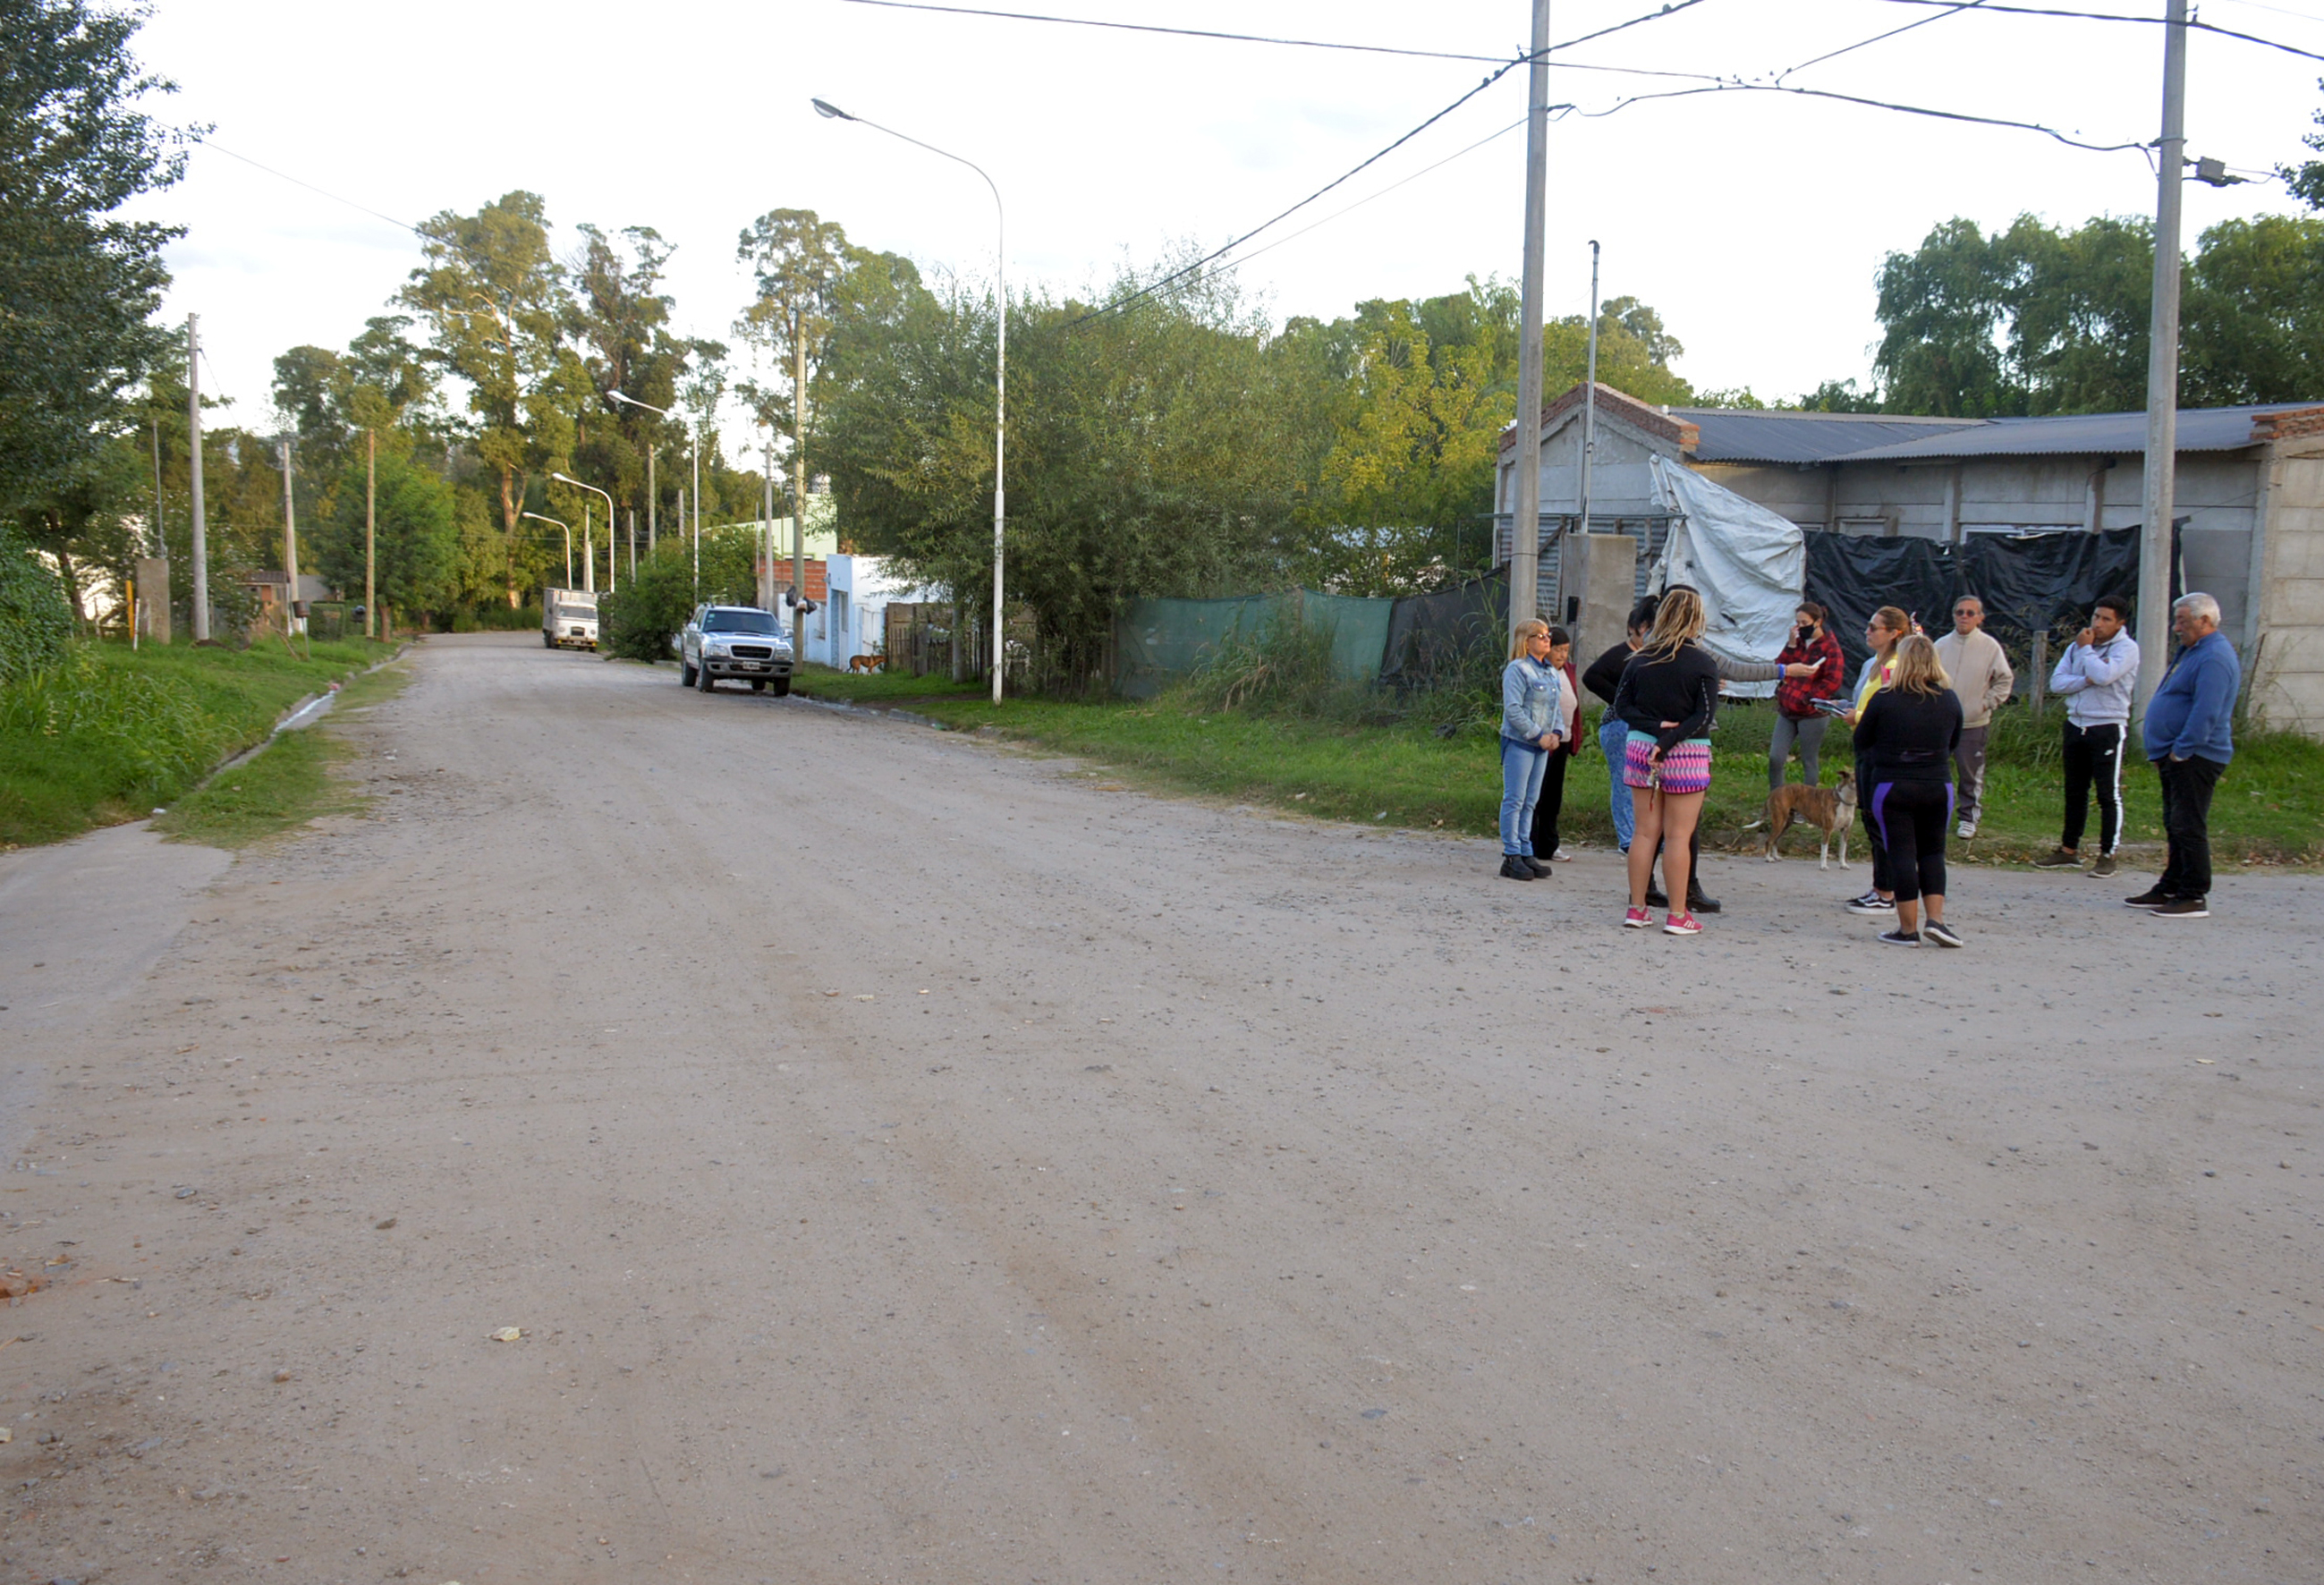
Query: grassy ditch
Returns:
{"type": "Point", "coordinates": [115, 733]}
{"type": "Point", "coordinates": [287, 783]}
{"type": "Point", "coordinates": [1400, 767]}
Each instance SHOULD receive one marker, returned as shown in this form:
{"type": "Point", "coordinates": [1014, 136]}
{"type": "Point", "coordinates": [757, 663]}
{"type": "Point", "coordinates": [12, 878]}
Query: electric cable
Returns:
{"type": "Point", "coordinates": [1877, 38]}
{"type": "Point", "coordinates": [208, 142]}
{"type": "Point", "coordinates": [1744, 87]}
{"type": "Point", "coordinates": [2191, 24]}
{"type": "Point", "coordinates": [1140, 27]}
{"type": "Point", "coordinates": [1152, 287]}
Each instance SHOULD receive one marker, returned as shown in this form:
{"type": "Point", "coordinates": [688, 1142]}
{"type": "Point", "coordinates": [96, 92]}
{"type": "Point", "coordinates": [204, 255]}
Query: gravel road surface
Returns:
{"type": "Point", "coordinates": [907, 1158]}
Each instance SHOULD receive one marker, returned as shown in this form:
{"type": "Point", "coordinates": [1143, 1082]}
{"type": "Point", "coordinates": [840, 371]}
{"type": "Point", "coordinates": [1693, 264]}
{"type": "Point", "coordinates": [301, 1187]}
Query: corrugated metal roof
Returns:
{"type": "Point", "coordinates": [2210, 428]}
{"type": "Point", "coordinates": [1752, 435]}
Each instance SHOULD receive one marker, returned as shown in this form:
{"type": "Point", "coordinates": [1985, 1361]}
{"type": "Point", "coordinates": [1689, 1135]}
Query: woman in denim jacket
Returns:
{"type": "Point", "coordinates": [1531, 709]}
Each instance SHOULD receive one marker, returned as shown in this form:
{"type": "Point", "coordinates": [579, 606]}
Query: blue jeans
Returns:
{"type": "Point", "coordinates": [1521, 771]}
{"type": "Point", "coordinates": [1613, 738]}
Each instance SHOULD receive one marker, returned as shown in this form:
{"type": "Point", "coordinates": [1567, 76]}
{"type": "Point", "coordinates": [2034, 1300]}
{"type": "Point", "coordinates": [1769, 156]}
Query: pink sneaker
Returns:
{"type": "Point", "coordinates": [1681, 924]}
{"type": "Point", "coordinates": [1635, 919]}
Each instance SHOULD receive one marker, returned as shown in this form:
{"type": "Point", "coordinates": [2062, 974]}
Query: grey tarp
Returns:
{"type": "Point", "coordinates": [1747, 562]}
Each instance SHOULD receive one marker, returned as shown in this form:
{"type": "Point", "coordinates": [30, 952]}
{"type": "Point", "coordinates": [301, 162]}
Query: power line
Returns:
{"type": "Point", "coordinates": [1149, 290]}
{"type": "Point", "coordinates": [1743, 88]}
{"type": "Point", "coordinates": [399, 224]}
{"type": "Point", "coordinates": [1875, 38]}
{"type": "Point", "coordinates": [2201, 27]}
{"type": "Point", "coordinates": [1140, 27]}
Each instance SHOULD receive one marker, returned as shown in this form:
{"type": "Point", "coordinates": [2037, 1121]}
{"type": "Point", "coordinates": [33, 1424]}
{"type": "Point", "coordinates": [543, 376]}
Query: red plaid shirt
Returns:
{"type": "Point", "coordinates": [1796, 696]}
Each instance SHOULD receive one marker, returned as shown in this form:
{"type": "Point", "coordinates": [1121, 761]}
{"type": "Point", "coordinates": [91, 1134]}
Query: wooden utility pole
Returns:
{"type": "Point", "coordinates": [201, 549]}
{"type": "Point", "coordinates": [289, 547]}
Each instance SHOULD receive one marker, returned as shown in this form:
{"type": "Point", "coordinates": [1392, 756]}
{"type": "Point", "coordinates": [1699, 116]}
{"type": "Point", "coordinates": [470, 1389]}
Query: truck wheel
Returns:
{"type": "Point", "coordinates": [703, 679]}
{"type": "Point", "coordinates": [782, 687]}
{"type": "Point", "coordinates": [547, 642]}
{"type": "Point", "coordinates": [757, 684]}
{"type": "Point", "coordinates": [684, 675]}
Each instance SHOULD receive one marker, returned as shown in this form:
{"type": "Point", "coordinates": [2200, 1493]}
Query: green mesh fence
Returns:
{"type": "Point", "coordinates": [1158, 641]}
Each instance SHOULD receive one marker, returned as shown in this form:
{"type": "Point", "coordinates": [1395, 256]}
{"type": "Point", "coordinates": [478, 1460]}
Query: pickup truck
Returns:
{"type": "Point", "coordinates": [738, 641]}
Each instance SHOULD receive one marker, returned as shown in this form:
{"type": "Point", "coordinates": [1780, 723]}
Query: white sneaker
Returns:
{"type": "Point", "coordinates": [1561, 857]}
{"type": "Point", "coordinates": [1965, 829]}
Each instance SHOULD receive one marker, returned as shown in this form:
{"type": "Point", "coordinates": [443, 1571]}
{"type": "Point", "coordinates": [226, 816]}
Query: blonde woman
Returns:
{"type": "Point", "coordinates": [1669, 693]}
{"type": "Point", "coordinates": [1883, 631]}
{"type": "Point", "coordinates": [1906, 733]}
{"type": "Point", "coordinates": [1531, 710]}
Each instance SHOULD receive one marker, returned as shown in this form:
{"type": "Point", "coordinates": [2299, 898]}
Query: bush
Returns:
{"type": "Point", "coordinates": [638, 621]}
{"type": "Point", "coordinates": [152, 729]}
{"type": "Point", "coordinates": [36, 622]}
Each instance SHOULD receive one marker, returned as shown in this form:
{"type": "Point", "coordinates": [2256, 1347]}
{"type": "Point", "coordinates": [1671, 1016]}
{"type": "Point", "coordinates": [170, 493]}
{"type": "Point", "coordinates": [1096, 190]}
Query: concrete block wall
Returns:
{"type": "Point", "coordinates": [2287, 672]}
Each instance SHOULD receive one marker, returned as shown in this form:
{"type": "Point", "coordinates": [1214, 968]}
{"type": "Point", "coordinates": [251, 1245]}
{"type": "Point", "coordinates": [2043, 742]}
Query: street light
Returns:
{"type": "Point", "coordinates": [1001, 367]}
{"type": "Point", "coordinates": [611, 562]}
{"type": "Point", "coordinates": [568, 542]}
{"type": "Point", "coordinates": [633, 401]}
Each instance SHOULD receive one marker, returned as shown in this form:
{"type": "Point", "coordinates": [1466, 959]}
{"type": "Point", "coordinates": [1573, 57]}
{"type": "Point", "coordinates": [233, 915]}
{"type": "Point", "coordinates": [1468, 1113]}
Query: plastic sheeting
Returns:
{"type": "Point", "coordinates": [1158, 639]}
{"type": "Point", "coordinates": [2029, 582]}
{"type": "Point", "coordinates": [1747, 562]}
{"type": "Point", "coordinates": [1431, 635]}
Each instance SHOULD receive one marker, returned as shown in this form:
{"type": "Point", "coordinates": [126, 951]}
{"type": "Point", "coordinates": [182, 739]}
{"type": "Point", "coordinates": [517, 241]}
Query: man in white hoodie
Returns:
{"type": "Point", "coordinates": [1982, 679]}
{"type": "Point", "coordinates": [2095, 677]}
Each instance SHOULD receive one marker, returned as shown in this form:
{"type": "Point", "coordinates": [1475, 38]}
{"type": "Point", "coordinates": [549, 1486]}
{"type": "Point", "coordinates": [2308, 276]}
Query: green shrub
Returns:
{"type": "Point", "coordinates": [35, 621]}
{"type": "Point", "coordinates": [153, 729]}
{"type": "Point", "coordinates": [638, 621]}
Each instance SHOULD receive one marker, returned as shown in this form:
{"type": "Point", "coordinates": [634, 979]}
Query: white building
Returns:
{"type": "Point", "coordinates": [854, 617]}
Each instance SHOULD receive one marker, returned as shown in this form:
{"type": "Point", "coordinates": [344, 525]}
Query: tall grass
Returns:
{"type": "Point", "coordinates": [1283, 666]}
{"type": "Point", "coordinates": [151, 729]}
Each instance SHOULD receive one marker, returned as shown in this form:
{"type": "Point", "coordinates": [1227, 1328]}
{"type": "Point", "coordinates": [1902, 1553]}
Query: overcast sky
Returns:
{"type": "Point", "coordinates": [1754, 222]}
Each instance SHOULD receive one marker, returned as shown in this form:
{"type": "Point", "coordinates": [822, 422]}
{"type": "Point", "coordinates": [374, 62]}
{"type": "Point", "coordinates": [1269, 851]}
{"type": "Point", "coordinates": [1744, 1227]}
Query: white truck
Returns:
{"type": "Point", "coordinates": [569, 618]}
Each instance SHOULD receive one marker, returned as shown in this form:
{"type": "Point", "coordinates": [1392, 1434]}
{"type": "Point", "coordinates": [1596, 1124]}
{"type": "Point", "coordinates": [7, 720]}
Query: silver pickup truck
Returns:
{"type": "Point", "coordinates": [738, 641]}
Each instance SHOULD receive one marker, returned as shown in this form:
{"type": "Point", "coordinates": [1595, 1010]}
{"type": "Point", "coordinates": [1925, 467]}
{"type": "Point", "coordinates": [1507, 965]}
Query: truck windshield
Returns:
{"type": "Point", "coordinates": [740, 622]}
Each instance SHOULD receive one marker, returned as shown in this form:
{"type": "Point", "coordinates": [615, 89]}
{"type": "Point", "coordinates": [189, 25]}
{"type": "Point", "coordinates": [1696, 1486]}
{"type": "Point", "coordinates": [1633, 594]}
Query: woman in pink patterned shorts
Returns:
{"type": "Point", "coordinates": [1668, 694]}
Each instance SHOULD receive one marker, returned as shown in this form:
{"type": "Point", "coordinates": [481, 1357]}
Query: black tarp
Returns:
{"type": "Point", "coordinates": [1431, 635]}
{"type": "Point", "coordinates": [2030, 583]}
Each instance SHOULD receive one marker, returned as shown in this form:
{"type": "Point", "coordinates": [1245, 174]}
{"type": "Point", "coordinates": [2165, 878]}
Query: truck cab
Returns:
{"type": "Point", "coordinates": [569, 619]}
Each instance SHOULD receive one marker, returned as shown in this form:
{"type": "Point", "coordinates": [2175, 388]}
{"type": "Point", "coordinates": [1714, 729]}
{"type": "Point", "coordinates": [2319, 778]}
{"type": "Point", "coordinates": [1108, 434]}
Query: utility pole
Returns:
{"type": "Point", "coordinates": [289, 547]}
{"type": "Point", "coordinates": [697, 510]}
{"type": "Point", "coordinates": [798, 500]}
{"type": "Point", "coordinates": [371, 533]}
{"type": "Point", "coordinates": [652, 502]}
{"type": "Point", "coordinates": [589, 548]}
{"type": "Point", "coordinates": [1589, 397]}
{"type": "Point", "coordinates": [201, 548]}
{"type": "Point", "coordinates": [633, 544]}
{"type": "Point", "coordinates": [1525, 519]}
{"type": "Point", "coordinates": [767, 515]}
{"type": "Point", "coordinates": [2163, 365]}
{"type": "Point", "coordinates": [160, 536]}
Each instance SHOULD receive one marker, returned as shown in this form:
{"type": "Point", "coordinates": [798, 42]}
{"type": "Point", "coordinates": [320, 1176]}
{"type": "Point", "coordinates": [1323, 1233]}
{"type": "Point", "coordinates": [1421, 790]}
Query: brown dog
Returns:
{"type": "Point", "coordinates": [1830, 809]}
{"type": "Point", "coordinates": [866, 662]}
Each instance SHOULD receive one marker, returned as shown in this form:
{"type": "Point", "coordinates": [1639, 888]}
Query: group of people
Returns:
{"type": "Point", "coordinates": [1920, 712]}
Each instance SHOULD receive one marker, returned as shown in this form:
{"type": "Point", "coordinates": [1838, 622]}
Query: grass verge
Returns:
{"type": "Point", "coordinates": [287, 783]}
{"type": "Point", "coordinates": [116, 733]}
{"type": "Point", "coordinates": [878, 688]}
{"type": "Point", "coordinates": [2269, 809]}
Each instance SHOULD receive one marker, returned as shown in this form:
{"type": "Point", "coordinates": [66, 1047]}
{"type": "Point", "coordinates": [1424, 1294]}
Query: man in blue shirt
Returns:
{"type": "Point", "coordinates": [2188, 738]}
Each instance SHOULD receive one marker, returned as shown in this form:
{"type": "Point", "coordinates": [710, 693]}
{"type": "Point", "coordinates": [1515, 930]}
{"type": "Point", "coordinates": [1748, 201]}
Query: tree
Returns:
{"type": "Point", "coordinates": [621, 318]}
{"type": "Point", "coordinates": [801, 264]}
{"type": "Point", "coordinates": [2255, 313]}
{"type": "Point", "coordinates": [493, 291]}
{"type": "Point", "coordinates": [76, 289]}
{"type": "Point", "coordinates": [1940, 310]}
{"type": "Point", "coordinates": [2306, 181]}
{"type": "Point", "coordinates": [416, 533]}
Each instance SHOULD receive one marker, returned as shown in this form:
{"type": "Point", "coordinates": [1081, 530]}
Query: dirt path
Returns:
{"type": "Point", "coordinates": [909, 1160]}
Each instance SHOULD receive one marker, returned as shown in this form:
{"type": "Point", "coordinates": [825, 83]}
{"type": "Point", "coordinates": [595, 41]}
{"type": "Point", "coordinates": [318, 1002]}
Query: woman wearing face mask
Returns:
{"type": "Point", "coordinates": [1530, 715]}
{"type": "Point", "coordinates": [1797, 719]}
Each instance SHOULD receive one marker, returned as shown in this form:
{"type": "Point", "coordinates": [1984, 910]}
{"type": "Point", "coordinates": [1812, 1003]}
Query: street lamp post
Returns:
{"type": "Point", "coordinates": [999, 375]}
{"type": "Point", "coordinates": [568, 542]}
{"type": "Point", "coordinates": [633, 401]}
{"type": "Point", "coordinates": [611, 560]}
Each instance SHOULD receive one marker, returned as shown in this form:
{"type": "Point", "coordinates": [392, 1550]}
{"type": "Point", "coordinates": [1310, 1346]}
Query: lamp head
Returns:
{"type": "Point", "coordinates": [618, 396]}
{"type": "Point", "coordinates": [829, 111]}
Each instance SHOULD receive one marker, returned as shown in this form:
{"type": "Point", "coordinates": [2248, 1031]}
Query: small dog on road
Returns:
{"type": "Point", "coordinates": [866, 662]}
{"type": "Point", "coordinates": [1830, 809]}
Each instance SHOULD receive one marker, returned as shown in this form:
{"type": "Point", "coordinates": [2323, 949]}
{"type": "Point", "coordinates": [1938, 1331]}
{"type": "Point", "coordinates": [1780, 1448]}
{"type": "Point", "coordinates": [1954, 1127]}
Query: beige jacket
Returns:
{"type": "Point", "coordinates": [1980, 673]}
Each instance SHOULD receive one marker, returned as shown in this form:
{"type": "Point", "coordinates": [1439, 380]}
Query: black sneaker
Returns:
{"type": "Point", "coordinates": [1872, 902]}
{"type": "Point", "coordinates": [1943, 934]}
{"type": "Point", "coordinates": [1540, 871]}
{"type": "Point", "coordinates": [2184, 907]}
{"type": "Point", "coordinates": [2154, 896]}
{"type": "Point", "coordinates": [1514, 868]}
{"type": "Point", "coordinates": [1870, 897]}
{"type": "Point", "coordinates": [1900, 938]}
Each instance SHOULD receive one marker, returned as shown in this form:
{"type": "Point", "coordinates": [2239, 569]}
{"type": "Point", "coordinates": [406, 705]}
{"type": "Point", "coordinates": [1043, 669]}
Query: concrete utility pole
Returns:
{"type": "Point", "coordinates": [159, 537]}
{"type": "Point", "coordinates": [767, 515]}
{"type": "Point", "coordinates": [1524, 508]}
{"type": "Point", "coordinates": [798, 500]}
{"type": "Point", "coordinates": [2163, 365]}
{"type": "Point", "coordinates": [290, 546]}
{"type": "Point", "coordinates": [1589, 397]}
{"type": "Point", "coordinates": [201, 548]}
{"type": "Point", "coordinates": [588, 548]}
{"type": "Point", "coordinates": [633, 544]}
{"type": "Point", "coordinates": [651, 503]}
{"type": "Point", "coordinates": [371, 533]}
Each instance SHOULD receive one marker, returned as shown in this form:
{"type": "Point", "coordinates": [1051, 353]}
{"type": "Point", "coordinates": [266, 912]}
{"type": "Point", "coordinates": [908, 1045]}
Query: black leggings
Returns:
{"type": "Point", "coordinates": [1910, 818]}
{"type": "Point", "coordinates": [1550, 806]}
{"type": "Point", "coordinates": [1880, 882]}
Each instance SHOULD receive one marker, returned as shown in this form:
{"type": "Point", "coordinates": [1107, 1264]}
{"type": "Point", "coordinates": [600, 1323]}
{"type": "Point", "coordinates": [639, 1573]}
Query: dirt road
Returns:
{"type": "Point", "coordinates": [908, 1159]}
